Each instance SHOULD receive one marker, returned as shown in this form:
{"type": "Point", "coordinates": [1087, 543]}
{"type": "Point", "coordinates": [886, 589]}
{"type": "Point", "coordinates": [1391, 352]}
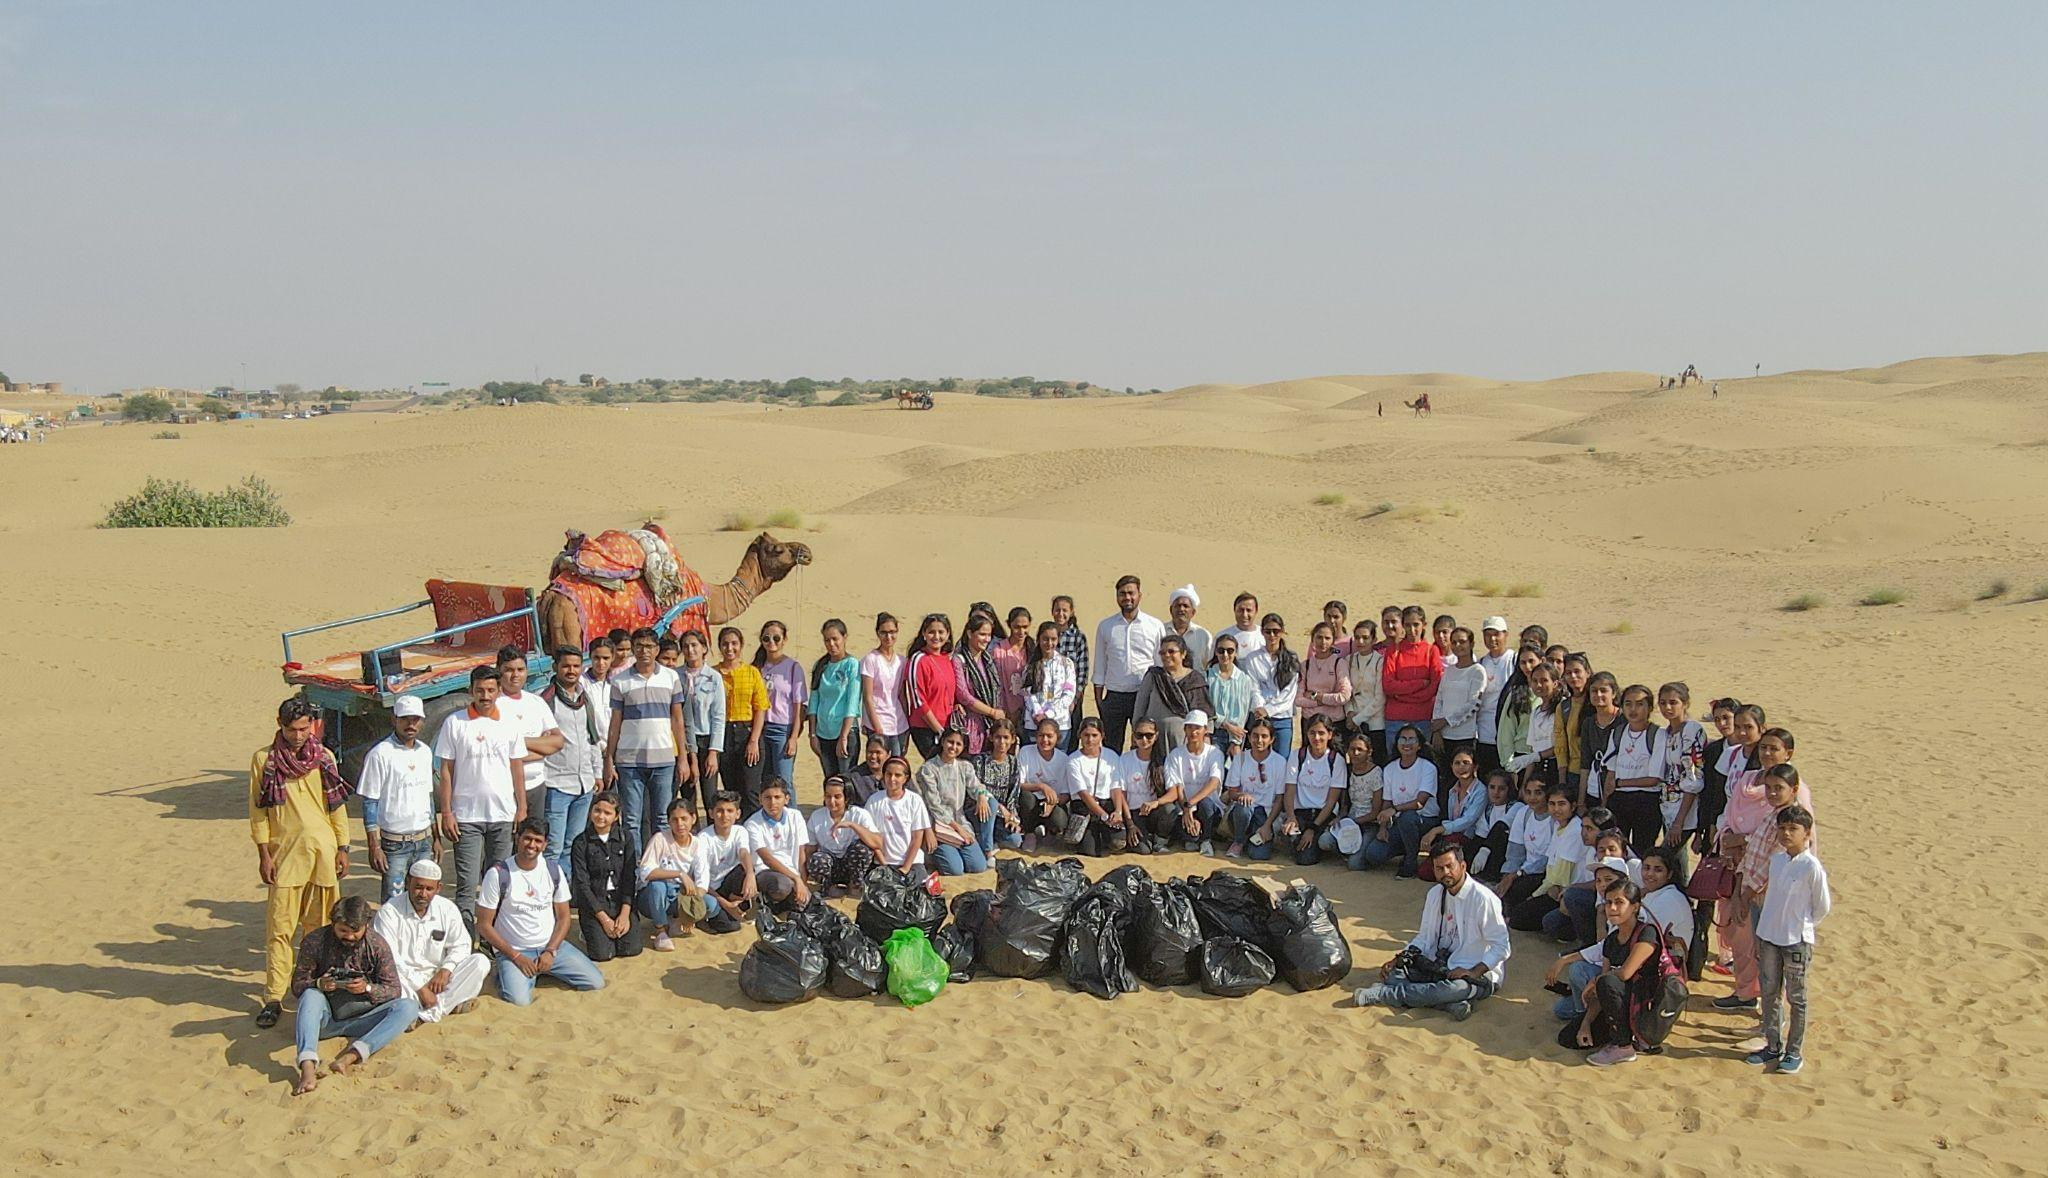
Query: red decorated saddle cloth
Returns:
{"type": "Point", "coordinates": [623, 580]}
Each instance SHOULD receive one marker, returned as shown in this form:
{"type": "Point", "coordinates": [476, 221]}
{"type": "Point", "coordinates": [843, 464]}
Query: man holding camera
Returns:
{"type": "Point", "coordinates": [346, 985]}
{"type": "Point", "coordinates": [1460, 951]}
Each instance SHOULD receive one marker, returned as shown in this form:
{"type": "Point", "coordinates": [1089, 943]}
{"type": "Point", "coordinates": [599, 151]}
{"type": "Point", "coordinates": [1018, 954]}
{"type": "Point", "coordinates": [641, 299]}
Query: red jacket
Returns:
{"type": "Point", "coordinates": [1409, 674]}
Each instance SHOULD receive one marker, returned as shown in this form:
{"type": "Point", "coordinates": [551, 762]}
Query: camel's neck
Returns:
{"type": "Point", "coordinates": [748, 582]}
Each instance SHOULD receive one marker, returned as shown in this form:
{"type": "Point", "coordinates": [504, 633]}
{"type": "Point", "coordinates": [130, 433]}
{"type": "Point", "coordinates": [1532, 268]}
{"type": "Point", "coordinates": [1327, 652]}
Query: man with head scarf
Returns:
{"type": "Point", "coordinates": [298, 819]}
{"type": "Point", "coordinates": [1181, 607]}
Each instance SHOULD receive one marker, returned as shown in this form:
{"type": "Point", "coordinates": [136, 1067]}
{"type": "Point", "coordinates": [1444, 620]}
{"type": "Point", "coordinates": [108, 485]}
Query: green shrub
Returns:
{"type": "Point", "coordinates": [737, 522]}
{"type": "Point", "coordinates": [1885, 595]}
{"type": "Point", "coordinates": [1329, 499]}
{"type": "Point", "coordinates": [783, 517]}
{"type": "Point", "coordinates": [2038, 592]}
{"type": "Point", "coordinates": [166, 435]}
{"type": "Point", "coordinates": [1379, 509]}
{"type": "Point", "coordinates": [1622, 627]}
{"type": "Point", "coordinates": [1525, 589]}
{"type": "Point", "coordinates": [1454, 598]}
{"type": "Point", "coordinates": [1804, 602]}
{"type": "Point", "coordinates": [174, 503]}
{"type": "Point", "coordinates": [146, 407]}
{"type": "Point", "coordinates": [1483, 587]}
{"type": "Point", "coordinates": [1419, 586]}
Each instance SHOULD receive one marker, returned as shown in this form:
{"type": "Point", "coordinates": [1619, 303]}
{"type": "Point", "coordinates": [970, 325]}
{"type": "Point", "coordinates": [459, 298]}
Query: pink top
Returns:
{"type": "Point", "coordinates": [1325, 686]}
{"type": "Point", "coordinates": [1010, 660]}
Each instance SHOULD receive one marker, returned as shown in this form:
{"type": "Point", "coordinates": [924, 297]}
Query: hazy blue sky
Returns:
{"type": "Point", "coordinates": [371, 194]}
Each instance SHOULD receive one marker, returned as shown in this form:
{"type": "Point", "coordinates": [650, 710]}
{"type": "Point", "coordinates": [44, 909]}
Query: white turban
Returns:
{"type": "Point", "coordinates": [1187, 591]}
{"type": "Point", "coordinates": [424, 869]}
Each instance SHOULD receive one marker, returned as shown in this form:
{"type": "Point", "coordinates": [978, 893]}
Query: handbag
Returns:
{"type": "Point", "coordinates": [1713, 879]}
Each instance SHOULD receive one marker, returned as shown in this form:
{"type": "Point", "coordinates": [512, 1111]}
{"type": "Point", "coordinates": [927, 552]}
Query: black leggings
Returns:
{"type": "Point", "coordinates": [735, 776]}
{"type": "Point", "coordinates": [1496, 846]}
{"type": "Point", "coordinates": [1640, 814]}
{"type": "Point", "coordinates": [600, 947]}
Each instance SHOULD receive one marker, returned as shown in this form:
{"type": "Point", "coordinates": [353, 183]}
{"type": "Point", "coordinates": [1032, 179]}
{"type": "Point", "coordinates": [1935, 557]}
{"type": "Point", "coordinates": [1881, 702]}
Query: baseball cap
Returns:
{"type": "Point", "coordinates": [1617, 866]}
{"type": "Point", "coordinates": [408, 705]}
{"type": "Point", "coordinates": [1496, 622]}
{"type": "Point", "coordinates": [1196, 719]}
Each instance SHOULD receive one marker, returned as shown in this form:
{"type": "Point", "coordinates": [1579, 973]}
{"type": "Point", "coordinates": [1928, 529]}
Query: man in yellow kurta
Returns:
{"type": "Point", "coordinates": [298, 819]}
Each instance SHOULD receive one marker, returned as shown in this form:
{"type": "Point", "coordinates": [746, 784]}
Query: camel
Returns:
{"type": "Point", "coordinates": [766, 562]}
{"type": "Point", "coordinates": [1420, 404]}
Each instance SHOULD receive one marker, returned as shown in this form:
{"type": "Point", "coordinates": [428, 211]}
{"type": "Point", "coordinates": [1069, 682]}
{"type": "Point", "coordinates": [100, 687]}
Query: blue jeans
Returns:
{"type": "Point", "coordinates": [1245, 820]}
{"type": "Point", "coordinates": [1576, 916]}
{"type": "Point", "coordinates": [644, 794]}
{"type": "Point", "coordinates": [571, 967]}
{"type": "Point", "coordinates": [567, 815]}
{"type": "Point", "coordinates": [656, 897]}
{"type": "Point", "coordinates": [948, 860]}
{"type": "Point", "coordinates": [1283, 734]}
{"type": "Point", "coordinates": [1399, 991]}
{"type": "Point", "coordinates": [399, 856]}
{"type": "Point", "coordinates": [1578, 975]}
{"type": "Point", "coordinates": [1404, 838]}
{"type": "Point", "coordinates": [1209, 816]}
{"type": "Point", "coordinates": [371, 1031]}
{"type": "Point", "coordinates": [989, 833]}
{"type": "Point", "coordinates": [774, 764]}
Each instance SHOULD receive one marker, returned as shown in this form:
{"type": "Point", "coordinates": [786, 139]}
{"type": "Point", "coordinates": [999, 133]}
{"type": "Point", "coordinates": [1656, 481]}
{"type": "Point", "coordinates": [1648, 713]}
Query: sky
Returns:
{"type": "Point", "coordinates": [380, 194]}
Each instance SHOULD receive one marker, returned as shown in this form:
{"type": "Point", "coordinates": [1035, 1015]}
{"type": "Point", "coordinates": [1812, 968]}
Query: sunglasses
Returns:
{"type": "Point", "coordinates": [1223, 650]}
{"type": "Point", "coordinates": [1273, 630]}
{"type": "Point", "coordinates": [1146, 735]}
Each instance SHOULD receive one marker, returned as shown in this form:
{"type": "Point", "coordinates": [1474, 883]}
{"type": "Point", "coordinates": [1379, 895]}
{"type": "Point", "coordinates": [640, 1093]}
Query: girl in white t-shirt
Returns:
{"type": "Point", "coordinates": [1315, 786]}
{"type": "Point", "coordinates": [1041, 784]}
{"type": "Point", "coordinates": [1631, 770]}
{"type": "Point", "coordinates": [1685, 754]}
{"type": "Point", "coordinates": [1093, 778]}
{"type": "Point", "coordinates": [902, 818]}
{"type": "Point", "coordinates": [1257, 786]}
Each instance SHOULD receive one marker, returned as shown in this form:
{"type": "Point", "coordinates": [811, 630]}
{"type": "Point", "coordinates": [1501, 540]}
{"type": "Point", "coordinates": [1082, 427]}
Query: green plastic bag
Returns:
{"type": "Point", "coordinates": [916, 971]}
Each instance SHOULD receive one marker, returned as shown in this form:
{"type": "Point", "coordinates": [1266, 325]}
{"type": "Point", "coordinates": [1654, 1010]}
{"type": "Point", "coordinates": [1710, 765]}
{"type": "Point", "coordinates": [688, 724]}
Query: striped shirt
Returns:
{"type": "Point", "coordinates": [1074, 645]}
{"type": "Point", "coordinates": [642, 703]}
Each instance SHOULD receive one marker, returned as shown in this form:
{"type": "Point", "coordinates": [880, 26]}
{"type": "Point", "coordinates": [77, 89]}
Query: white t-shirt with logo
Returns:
{"type": "Point", "coordinates": [1315, 777]}
{"type": "Point", "coordinates": [1262, 779]}
{"type": "Point", "coordinates": [480, 750]}
{"type": "Point", "coordinates": [1095, 776]}
{"type": "Point", "coordinates": [1033, 769]}
{"type": "Point", "coordinates": [1134, 774]}
{"type": "Point", "coordinates": [785, 839]}
{"type": "Point", "coordinates": [525, 901]}
{"type": "Point", "coordinates": [1400, 786]}
{"type": "Point", "coordinates": [898, 819]}
{"type": "Point", "coordinates": [530, 716]}
{"type": "Point", "coordinates": [1190, 771]}
{"type": "Point", "coordinates": [717, 854]}
{"type": "Point", "coordinates": [839, 841]}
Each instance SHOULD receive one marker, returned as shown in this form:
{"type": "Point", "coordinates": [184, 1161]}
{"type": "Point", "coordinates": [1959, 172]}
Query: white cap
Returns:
{"type": "Point", "coordinates": [408, 705]}
{"type": "Point", "coordinates": [1617, 866]}
{"type": "Point", "coordinates": [1187, 591]}
{"type": "Point", "coordinates": [424, 869]}
{"type": "Point", "coordinates": [1196, 719]}
{"type": "Point", "coordinates": [1349, 839]}
{"type": "Point", "coordinates": [1496, 622]}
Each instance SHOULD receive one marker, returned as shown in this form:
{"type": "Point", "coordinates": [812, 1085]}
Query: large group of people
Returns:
{"type": "Point", "coordinates": [647, 792]}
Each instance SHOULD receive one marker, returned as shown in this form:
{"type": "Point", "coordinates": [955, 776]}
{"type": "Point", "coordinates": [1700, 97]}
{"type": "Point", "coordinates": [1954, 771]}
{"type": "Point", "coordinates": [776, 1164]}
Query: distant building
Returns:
{"type": "Point", "coordinates": [47, 388]}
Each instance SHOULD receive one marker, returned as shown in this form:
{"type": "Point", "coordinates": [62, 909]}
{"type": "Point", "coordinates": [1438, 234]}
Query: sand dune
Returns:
{"type": "Point", "coordinates": [1662, 531]}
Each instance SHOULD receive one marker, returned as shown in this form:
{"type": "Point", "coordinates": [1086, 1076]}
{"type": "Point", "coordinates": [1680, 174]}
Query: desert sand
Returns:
{"type": "Point", "coordinates": [1665, 530]}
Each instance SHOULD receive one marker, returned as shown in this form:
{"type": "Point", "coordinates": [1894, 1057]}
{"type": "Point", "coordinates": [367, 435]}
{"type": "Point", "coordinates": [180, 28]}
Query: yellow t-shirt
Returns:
{"type": "Point", "coordinates": [745, 693]}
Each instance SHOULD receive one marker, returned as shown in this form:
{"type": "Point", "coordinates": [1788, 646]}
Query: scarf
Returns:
{"type": "Point", "coordinates": [984, 682]}
{"type": "Point", "coordinates": [554, 694]}
{"type": "Point", "coordinates": [283, 764]}
{"type": "Point", "coordinates": [1170, 693]}
{"type": "Point", "coordinates": [1747, 804]}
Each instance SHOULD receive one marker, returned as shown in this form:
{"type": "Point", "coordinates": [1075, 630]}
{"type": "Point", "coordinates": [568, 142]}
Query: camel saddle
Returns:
{"type": "Point", "coordinates": [624, 580]}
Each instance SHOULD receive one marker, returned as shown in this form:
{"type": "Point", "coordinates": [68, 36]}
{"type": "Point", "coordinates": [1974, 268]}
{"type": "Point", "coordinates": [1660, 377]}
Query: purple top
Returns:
{"type": "Point", "coordinates": [788, 690]}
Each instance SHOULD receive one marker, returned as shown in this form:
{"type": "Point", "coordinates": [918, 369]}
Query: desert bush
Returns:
{"type": "Point", "coordinates": [1804, 602]}
{"type": "Point", "coordinates": [1525, 589]}
{"type": "Point", "coordinates": [1995, 590]}
{"type": "Point", "coordinates": [783, 517]}
{"type": "Point", "coordinates": [166, 435]}
{"type": "Point", "coordinates": [1329, 499]}
{"type": "Point", "coordinates": [174, 503]}
{"type": "Point", "coordinates": [1884, 595]}
{"type": "Point", "coordinates": [737, 522]}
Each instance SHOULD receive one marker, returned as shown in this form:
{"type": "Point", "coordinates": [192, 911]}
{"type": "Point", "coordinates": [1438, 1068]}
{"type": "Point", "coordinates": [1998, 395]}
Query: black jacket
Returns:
{"type": "Point", "coordinates": [591, 862]}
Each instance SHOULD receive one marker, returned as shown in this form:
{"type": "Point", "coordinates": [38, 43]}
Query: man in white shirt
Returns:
{"type": "Point", "coordinates": [430, 945]}
{"type": "Point", "coordinates": [480, 788]}
{"type": "Point", "coordinates": [1194, 779]}
{"type": "Point", "coordinates": [1499, 662]}
{"type": "Point", "coordinates": [1181, 607]}
{"type": "Point", "coordinates": [528, 714]}
{"type": "Point", "coordinates": [523, 913]}
{"type": "Point", "coordinates": [1126, 646]}
{"type": "Point", "coordinates": [778, 836]}
{"type": "Point", "coordinates": [1246, 612]}
{"type": "Point", "coordinates": [398, 798]}
{"type": "Point", "coordinates": [1460, 951]}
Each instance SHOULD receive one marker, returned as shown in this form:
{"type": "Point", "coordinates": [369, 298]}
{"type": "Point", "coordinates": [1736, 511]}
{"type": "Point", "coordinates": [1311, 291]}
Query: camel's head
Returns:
{"type": "Point", "coordinates": [776, 558]}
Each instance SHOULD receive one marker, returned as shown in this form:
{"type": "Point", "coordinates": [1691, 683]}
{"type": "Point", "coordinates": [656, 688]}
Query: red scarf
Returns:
{"type": "Point", "coordinates": [286, 764]}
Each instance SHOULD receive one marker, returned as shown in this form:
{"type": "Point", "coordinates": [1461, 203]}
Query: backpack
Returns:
{"type": "Point", "coordinates": [1653, 1013]}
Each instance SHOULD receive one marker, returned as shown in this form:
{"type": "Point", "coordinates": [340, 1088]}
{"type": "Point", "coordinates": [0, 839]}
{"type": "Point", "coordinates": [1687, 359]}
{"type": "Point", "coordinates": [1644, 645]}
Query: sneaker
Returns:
{"type": "Point", "coordinates": [1209, 848]}
{"type": "Point", "coordinates": [1459, 1010]}
{"type": "Point", "coordinates": [1788, 1064]}
{"type": "Point", "coordinates": [662, 943]}
{"type": "Point", "coordinates": [1612, 1054]}
{"type": "Point", "coordinates": [1761, 1057]}
{"type": "Point", "coordinates": [1722, 968]}
{"type": "Point", "coordinates": [1369, 995]}
{"type": "Point", "coordinates": [1236, 851]}
{"type": "Point", "coordinates": [1734, 1002]}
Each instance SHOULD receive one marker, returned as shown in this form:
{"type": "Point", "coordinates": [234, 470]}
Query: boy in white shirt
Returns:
{"type": "Point", "coordinates": [522, 910]}
{"type": "Point", "coordinates": [779, 839]}
{"type": "Point", "coordinates": [724, 865]}
{"type": "Point", "coordinates": [1795, 901]}
{"type": "Point", "coordinates": [529, 714]}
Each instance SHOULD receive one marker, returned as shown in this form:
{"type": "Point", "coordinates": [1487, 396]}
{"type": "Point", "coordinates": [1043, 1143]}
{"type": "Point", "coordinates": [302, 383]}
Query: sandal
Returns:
{"type": "Point", "coordinates": [268, 1016]}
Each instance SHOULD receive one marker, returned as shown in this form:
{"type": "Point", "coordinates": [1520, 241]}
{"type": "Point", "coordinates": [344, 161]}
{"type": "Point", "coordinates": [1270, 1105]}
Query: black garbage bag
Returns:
{"type": "Point", "coordinates": [956, 944]}
{"type": "Point", "coordinates": [857, 966]}
{"type": "Point", "coordinates": [1233, 967]}
{"type": "Point", "coordinates": [1312, 952]}
{"type": "Point", "coordinates": [1127, 878]}
{"type": "Point", "coordinates": [1230, 905]}
{"type": "Point", "coordinates": [970, 910]}
{"type": "Point", "coordinates": [820, 919]}
{"type": "Point", "coordinates": [1021, 937]}
{"type": "Point", "coordinates": [785, 965]}
{"type": "Point", "coordinates": [1093, 949]}
{"type": "Point", "coordinates": [1164, 934]}
{"type": "Point", "coordinates": [892, 899]}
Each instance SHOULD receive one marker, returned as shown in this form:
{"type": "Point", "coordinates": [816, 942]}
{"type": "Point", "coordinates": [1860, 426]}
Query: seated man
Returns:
{"type": "Point", "coordinates": [1460, 951]}
{"type": "Point", "coordinates": [346, 986]}
{"type": "Point", "coordinates": [430, 945]}
{"type": "Point", "coordinates": [522, 911]}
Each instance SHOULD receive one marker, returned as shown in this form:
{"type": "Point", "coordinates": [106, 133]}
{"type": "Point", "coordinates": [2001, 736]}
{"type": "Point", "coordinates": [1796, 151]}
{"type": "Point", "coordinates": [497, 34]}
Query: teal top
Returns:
{"type": "Point", "coordinates": [1232, 697]}
{"type": "Point", "coordinates": [836, 702]}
